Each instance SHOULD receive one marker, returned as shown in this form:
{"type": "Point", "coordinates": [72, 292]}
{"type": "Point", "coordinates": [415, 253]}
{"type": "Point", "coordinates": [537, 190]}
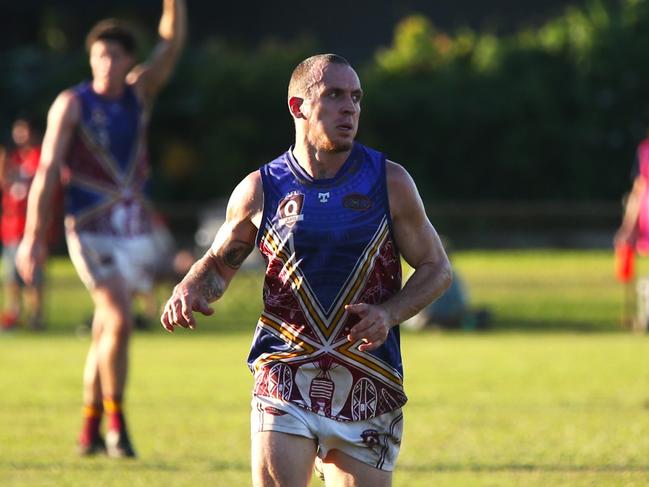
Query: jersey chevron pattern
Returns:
{"type": "Point", "coordinates": [327, 243]}
{"type": "Point", "coordinates": [107, 165]}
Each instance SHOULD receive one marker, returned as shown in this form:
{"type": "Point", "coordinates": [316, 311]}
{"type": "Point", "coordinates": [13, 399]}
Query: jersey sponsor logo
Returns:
{"type": "Point", "coordinates": [323, 197]}
{"type": "Point", "coordinates": [357, 201]}
{"type": "Point", "coordinates": [290, 209]}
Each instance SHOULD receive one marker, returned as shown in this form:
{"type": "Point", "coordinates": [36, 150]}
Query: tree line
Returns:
{"type": "Point", "coordinates": [547, 113]}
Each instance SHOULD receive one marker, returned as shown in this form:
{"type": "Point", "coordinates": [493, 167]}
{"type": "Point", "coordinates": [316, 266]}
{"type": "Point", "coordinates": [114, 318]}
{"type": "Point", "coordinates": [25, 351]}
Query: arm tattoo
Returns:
{"type": "Point", "coordinates": [235, 253]}
{"type": "Point", "coordinates": [210, 284]}
{"type": "Point", "coordinates": [212, 287]}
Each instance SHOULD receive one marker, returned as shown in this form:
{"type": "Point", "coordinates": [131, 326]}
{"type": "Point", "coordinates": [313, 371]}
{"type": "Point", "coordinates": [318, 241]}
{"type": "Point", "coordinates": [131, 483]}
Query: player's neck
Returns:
{"type": "Point", "coordinates": [317, 163]}
{"type": "Point", "coordinates": [107, 89]}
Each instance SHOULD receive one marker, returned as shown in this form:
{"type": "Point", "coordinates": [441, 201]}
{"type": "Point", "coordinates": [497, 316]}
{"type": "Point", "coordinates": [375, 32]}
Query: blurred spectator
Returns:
{"type": "Point", "coordinates": [633, 235]}
{"type": "Point", "coordinates": [634, 230]}
{"type": "Point", "coordinates": [169, 265]}
{"type": "Point", "coordinates": [452, 309]}
{"type": "Point", "coordinates": [17, 169]}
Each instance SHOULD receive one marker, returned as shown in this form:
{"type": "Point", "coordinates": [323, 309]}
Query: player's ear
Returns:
{"type": "Point", "coordinates": [295, 106]}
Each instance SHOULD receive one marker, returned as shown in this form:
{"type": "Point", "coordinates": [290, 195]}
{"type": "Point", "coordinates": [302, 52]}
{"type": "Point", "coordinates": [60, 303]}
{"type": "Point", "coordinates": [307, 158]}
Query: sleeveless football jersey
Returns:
{"type": "Point", "coordinates": [326, 243]}
{"type": "Point", "coordinates": [107, 166]}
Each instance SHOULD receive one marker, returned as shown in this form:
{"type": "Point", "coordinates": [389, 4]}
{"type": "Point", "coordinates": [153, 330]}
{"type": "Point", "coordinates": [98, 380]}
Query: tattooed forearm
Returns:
{"type": "Point", "coordinates": [204, 274]}
{"type": "Point", "coordinates": [235, 253]}
{"type": "Point", "coordinates": [212, 287]}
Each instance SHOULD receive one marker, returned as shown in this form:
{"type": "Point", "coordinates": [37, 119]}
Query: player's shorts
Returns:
{"type": "Point", "coordinates": [375, 441]}
{"type": "Point", "coordinates": [98, 258]}
{"type": "Point", "coordinates": [9, 270]}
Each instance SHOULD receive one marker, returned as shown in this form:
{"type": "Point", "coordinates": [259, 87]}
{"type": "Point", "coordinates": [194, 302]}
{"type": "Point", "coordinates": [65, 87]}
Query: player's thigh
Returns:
{"type": "Point", "coordinates": [282, 459]}
{"type": "Point", "coordinates": [341, 470]}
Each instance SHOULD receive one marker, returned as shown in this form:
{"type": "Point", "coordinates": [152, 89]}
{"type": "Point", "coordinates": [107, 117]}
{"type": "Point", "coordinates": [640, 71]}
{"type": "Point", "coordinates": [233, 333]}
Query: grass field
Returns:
{"type": "Point", "coordinates": [557, 394]}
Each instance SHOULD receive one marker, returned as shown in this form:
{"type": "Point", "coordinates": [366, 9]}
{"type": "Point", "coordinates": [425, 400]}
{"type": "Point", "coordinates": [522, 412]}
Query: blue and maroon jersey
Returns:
{"type": "Point", "coordinates": [327, 243]}
{"type": "Point", "coordinates": [107, 165]}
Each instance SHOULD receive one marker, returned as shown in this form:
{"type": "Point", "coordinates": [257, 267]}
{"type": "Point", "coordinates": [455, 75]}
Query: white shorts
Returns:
{"type": "Point", "coordinates": [375, 442]}
{"type": "Point", "coordinates": [98, 258]}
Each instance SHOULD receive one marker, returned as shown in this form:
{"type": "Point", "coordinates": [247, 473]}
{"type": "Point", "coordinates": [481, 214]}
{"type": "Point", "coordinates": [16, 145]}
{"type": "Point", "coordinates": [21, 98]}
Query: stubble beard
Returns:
{"type": "Point", "coordinates": [325, 144]}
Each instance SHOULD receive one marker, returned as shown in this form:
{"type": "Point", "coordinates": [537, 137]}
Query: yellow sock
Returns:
{"type": "Point", "coordinates": [92, 411]}
{"type": "Point", "coordinates": [112, 407]}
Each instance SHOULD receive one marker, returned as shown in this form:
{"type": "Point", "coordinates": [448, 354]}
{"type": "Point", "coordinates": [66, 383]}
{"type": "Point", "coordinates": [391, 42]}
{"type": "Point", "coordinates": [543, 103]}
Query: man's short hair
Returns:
{"type": "Point", "coordinates": [112, 30]}
{"type": "Point", "coordinates": [303, 77]}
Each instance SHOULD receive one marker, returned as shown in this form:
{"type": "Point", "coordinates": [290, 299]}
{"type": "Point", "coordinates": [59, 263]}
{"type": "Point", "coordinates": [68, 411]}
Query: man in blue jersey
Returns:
{"type": "Point", "coordinates": [96, 138]}
{"type": "Point", "coordinates": [332, 219]}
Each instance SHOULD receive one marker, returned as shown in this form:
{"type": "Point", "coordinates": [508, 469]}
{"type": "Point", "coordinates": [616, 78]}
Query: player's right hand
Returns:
{"type": "Point", "coordinates": [179, 310]}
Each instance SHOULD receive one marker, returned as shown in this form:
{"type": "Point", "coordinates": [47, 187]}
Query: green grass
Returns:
{"type": "Point", "coordinates": [525, 290]}
{"type": "Point", "coordinates": [552, 407]}
{"type": "Point", "coordinates": [546, 290]}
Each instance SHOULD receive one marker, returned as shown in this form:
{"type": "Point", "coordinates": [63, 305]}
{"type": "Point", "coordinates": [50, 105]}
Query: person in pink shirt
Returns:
{"type": "Point", "coordinates": [634, 230]}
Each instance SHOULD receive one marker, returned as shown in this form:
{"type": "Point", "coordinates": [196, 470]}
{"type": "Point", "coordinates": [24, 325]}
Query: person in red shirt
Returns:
{"type": "Point", "coordinates": [17, 169]}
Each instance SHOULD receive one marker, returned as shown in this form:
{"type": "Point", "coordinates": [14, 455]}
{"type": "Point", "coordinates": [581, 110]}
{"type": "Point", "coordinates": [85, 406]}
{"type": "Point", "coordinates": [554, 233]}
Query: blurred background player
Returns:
{"type": "Point", "coordinates": [17, 169]}
{"type": "Point", "coordinates": [452, 310]}
{"type": "Point", "coordinates": [633, 235]}
{"type": "Point", "coordinates": [97, 132]}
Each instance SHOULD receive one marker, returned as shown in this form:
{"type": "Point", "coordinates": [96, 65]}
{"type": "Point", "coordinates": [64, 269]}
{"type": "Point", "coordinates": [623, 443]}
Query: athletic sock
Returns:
{"type": "Point", "coordinates": [114, 414]}
{"type": "Point", "coordinates": [91, 423]}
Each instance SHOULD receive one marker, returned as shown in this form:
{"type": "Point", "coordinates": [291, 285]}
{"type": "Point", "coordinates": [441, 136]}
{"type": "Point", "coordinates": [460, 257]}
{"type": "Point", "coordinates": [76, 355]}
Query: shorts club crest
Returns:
{"type": "Point", "coordinates": [327, 243]}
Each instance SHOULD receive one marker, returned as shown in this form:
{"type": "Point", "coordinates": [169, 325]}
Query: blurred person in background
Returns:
{"type": "Point", "coordinates": [634, 229]}
{"type": "Point", "coordinates": [96, 133]}
{"type": "Point", "coordinates": [169, 266]}
{"type": "Point", "coordinates": [633, 237]}
{"type": "Point", "coordinates": [452, 310]}
{"type": "Point", "coordinates": [332, 219]}
{"type": "Point", "coordinates": [17, 169]}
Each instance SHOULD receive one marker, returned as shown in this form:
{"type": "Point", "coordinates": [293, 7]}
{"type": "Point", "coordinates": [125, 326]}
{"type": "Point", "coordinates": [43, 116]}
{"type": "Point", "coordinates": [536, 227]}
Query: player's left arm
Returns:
{"type": "Point", "coordinates": [421, 248]}
{"type": "Point", "coordinates": [150, 77]}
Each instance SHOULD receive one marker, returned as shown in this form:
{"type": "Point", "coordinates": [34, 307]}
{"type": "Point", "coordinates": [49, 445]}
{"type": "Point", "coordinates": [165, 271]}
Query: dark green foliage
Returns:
{"type": "Point", "coordinates": [228, 109]}
{"type": "Point", "coordinates": [553, 112]}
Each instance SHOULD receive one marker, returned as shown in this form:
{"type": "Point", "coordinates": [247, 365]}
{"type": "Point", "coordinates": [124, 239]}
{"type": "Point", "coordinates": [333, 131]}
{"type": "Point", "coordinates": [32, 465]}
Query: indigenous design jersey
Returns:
{"type": "Point", "coordinates": [108, 166]}
{"type": "Point", "coordinates": [327, 243]}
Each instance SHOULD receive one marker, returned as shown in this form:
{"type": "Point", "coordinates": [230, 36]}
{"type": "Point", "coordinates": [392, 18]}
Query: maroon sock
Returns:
{"type": "Point", "coordinates": [116, 422]}
{"type": "Point", "coordinates": [91, 424]}
{"type": "Point", "coordinates": [114, 414]}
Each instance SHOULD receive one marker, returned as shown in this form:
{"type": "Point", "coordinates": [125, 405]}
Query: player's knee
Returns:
{"type": "Point", "coordinates": [118, 325]}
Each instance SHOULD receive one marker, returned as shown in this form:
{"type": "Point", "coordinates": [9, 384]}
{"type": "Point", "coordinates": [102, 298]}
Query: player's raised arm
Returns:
{"type": "Point", "coordinates": [210, 276]}
{"type": "Point", "coordinates": [62, 120]}
{"type": "Point", "coordinates": [422, 249]}
{"type": "Point", "coordinates": [149, 77]}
